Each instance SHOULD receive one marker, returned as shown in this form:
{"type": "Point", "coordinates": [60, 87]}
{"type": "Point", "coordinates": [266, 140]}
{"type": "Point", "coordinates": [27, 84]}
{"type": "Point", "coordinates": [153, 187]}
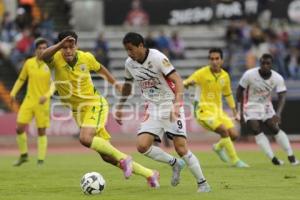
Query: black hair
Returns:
{"type": "Point", "coordinates": [39, 41]}
{"type": "Point", "coordinates": [216, 50]}
{"type": "Point", "coordinates": [67, 33]}
{"type": "Point", "coordinates": [266, 56]}
{"type": "Point", "coordinates": [133, 38]}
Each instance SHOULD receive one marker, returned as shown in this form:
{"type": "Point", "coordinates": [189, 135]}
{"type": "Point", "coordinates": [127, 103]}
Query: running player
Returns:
{"type": "Point", "coordinates": [255, 94]}
{"type": "Point", "coordinates": [35, 104]}
{"type": "Point", "coordinates": [162, 88]}
{"type": "Point", "coordinates": [214, 83]}
{"type": "Point", "coordinates": [75, 87]}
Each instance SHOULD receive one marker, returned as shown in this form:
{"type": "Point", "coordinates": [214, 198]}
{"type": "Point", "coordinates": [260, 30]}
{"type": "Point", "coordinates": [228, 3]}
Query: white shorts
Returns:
{"type": "Point", "coordinates": [158, 125]}
{"type": "Point", "coordinates": [259, 112]}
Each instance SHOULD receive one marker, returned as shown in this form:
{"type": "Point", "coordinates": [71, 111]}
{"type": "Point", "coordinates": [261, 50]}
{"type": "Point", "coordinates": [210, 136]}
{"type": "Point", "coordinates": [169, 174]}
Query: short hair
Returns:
{"type": "Point", "coordinates": [67, 33]}
{"type": "Point", "coordinates": [216, 50]}
{"type": "Point", "coordinates": [266, 56]}
{"type": "Point", "coordinates": [133, 38]}
{"type": "Point", "coordinates": [39, 41]}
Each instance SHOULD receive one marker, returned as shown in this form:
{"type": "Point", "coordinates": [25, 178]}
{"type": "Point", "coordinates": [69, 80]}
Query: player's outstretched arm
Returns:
{"type": "Point", "coordinates": [280, 106]}
{"type": "Point", "coordinates": [176, 79]}
{"type": "Point", "coordinates": [110, 78]}
{"type": "Point", "coordinates": [48, 53]}
{"type": "Point", "coordinates": [126, 91]}
{"type": "Point", "coordinates": [240, 100]}
{"type": "Point", "coordinates": [20, 81]}
{"type": "Point", "coordinates": [188, 82]}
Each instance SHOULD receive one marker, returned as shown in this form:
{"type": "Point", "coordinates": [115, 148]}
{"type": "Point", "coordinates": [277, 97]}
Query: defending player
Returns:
{"type": "Point", "coordinates": [35, 104]}
{"type": "Point", "coordinates": [75, 87]}
{"type": "Point", "coordinates": [162, 88]}
{"type": "Point", "coordinates": [214, 83]}
{"type": "Point", "coordinates": [255, 94]}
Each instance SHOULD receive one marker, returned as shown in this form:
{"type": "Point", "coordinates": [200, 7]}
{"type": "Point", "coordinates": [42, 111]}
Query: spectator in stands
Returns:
{"type": "Point", "coordinates": [8, 30]}
{"type": "Point", "coordinates": [22, 20]}
{"type": "Point", "coordinates": [150, 41]}
{"type": "Point", "coordinates": [293, 61]}
{"type": "Point", "coordinates": [177, 48]}
{"type": "Point", "coordinates": [278, 51]}
{"type": "Point", "coordinates": [22, 47]}
{"type": "Point", "coordinates": [46, 26]}
{"type": "Point", "coordinates": [258, 47]}
{"type": "Point", "coordinates": [101, 50]}
{"type": "Point", "coordinates": [137, 16]}
{"type": "Point", "coordinates": [163, 43]}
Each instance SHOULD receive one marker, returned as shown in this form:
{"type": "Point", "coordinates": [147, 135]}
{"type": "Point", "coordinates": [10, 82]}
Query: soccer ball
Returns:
{"type": "Point", "coordinates": [92, 183]}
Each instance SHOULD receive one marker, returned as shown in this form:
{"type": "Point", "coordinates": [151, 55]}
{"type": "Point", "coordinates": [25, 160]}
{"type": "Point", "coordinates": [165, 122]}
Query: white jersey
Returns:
{"type": "Point", "coordinates": [151, 76]}
{"type": "Point", "coordinates": [258, 93]}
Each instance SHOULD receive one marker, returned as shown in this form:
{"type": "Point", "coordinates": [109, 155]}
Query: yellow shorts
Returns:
{"type": "Point", "coordinates": [41, 113]}
{"type": "Point", "coordinates": [94, 115]}
{"type": "Point", "coordinates": [211, 120]}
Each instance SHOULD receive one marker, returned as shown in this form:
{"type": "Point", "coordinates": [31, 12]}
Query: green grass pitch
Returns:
{"type": "Point", "coordinates": [59, 179]}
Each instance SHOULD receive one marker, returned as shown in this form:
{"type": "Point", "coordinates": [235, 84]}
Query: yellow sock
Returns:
{"type": "Point", "coordinates": [141, 170]}
{"type": "Point", "coordinates": [42, 147]}
{"type": "Point", "coordinates": [102, 146]}
{"type": "Point", "coordinates": [219, 145]}
{"type": "Point", "coordinates": [22, 142]}
{"type": "Point", "coordinates": [230, 150]}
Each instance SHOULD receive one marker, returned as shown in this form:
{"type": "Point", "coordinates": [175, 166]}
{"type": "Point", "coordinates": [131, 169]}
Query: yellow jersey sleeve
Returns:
{"type": "Point", "coordinates": [21, 80]}
{"type": "Point", "coordinates": [195, 77]}
{"type": "Point", "coordinates": [93, 65]}
{"type": "Point", "coordinates": [227, 92]}
{"type": "Point", "coordinates": [52, 62]}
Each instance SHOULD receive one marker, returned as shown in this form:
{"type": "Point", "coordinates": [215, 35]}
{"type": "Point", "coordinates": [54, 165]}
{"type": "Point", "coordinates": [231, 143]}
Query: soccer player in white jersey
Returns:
{"type": "Point", "coordinates": [162, 89]}
{"type": "Point", "coordinates": [255, 94]}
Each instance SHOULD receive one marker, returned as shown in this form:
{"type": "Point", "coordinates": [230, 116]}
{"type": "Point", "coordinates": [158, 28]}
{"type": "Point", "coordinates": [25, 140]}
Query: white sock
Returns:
{"type": "Point", "coordinates": [158, 154]}
{"type": "Point", "coordinates": [283, 141]}
{"type": "Point", "coordinates": [263, 142]}
{"type": "Point", "coordinates": [194, 166]}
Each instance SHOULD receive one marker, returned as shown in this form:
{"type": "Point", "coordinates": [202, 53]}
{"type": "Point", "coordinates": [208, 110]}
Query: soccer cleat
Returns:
{"type": "Point", "coordinates": [241, 164]}
{"type": "Point", "coordinates": [153, 181]}
{"type": "Point", "coordinates": [221, 153]}
{"type": "Point", "coordinates": [40, 162]}
{"type": "Point", "coordinates": [126, 166]}
{"type": "Point", "coordinates": [177, 167]}
{"type": "Point", "coordinates": [276, 161]}
{"type": "Point", "coordinates": [203, 187]}
{"type": "Point", "coordinates": [22, 159]}
{"type": "Point", "coordinates": [293, 160]}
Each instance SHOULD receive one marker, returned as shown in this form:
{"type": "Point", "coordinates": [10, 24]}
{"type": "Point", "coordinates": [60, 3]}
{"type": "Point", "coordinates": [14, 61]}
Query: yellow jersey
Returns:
{"type": "Point", "coordinates": [74, 83]}
{"type": "Point", "coordinates": [212, 86]}
{"type": "Point", "coordinates": [39, 80]}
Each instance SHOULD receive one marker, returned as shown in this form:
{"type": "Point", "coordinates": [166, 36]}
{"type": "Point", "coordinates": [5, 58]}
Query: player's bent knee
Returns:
{"type": "Point", "coordinates": [234, 137]}
{"type": "Point", "coordinates": [142, 148]}
{"type": "Point", "coordinates": [20, 130]}
{"type": "Point", "coordinates": [181, 150]}
{"type": "Point", "coordinates": [85, 140]}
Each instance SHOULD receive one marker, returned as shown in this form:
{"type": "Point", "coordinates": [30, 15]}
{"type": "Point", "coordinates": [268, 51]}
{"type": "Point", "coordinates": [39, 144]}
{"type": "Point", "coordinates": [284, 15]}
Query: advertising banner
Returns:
{"type": "Point", "coordinates": [188, 12]}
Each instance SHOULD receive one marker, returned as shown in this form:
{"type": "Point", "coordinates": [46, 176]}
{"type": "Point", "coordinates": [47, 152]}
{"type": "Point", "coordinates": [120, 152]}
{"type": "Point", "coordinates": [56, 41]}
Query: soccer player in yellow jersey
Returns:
{"type": "Point", "coordinates": [35, 104]}
{"type": "Point", "coordinates": [214, 83]}
{"type": "Point", "coordinates": [75, 87]}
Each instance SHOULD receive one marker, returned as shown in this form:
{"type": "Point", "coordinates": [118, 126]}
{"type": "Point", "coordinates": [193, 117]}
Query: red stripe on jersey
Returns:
{"type": "Point", "coordinates": [172, 86]}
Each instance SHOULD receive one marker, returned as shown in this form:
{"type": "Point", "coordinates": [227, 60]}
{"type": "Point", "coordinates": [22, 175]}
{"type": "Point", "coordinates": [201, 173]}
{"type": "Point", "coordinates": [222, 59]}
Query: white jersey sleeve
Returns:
{"type": "Point", "coordinates": [244, 82]}
{"type": "Point", "coordinates": [163, 63]}
{"type": "Point", "coordinates": [280, 86]}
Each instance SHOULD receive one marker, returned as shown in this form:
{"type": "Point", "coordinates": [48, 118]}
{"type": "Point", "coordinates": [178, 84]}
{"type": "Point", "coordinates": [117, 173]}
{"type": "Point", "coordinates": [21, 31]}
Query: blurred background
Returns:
{"type": "Point", "coordinates": [183, 30]}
